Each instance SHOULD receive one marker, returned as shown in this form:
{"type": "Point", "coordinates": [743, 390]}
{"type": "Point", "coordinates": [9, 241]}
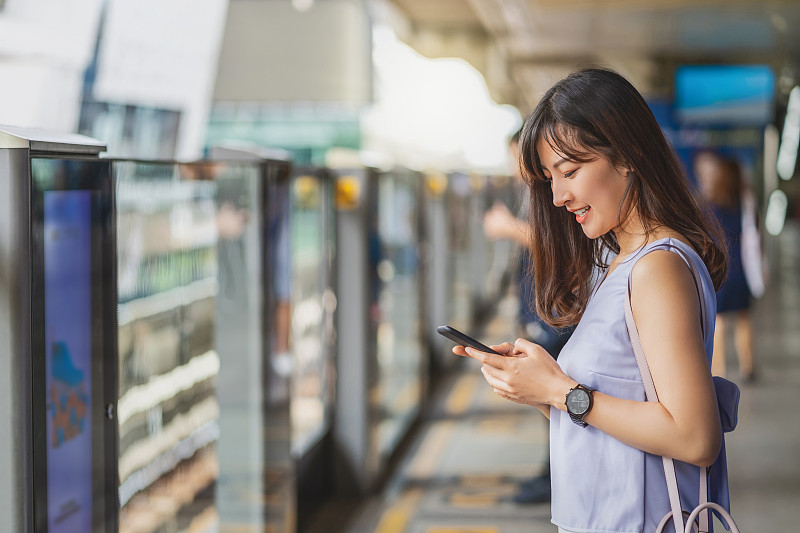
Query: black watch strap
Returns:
{"type": "Point", "coordinates": [578, 417]}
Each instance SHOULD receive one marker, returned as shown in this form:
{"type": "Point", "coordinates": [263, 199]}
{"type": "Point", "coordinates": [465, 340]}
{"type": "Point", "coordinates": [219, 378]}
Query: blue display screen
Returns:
{"type": "Point", "coordinates": [68, 358]}
{"type": "Point", "coordinates": [725, 94]}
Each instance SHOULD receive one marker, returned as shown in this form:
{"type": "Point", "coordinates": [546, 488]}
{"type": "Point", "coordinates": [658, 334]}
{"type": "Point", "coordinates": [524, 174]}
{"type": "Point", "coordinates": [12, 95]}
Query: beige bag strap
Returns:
{"type": "Point", "coordinates": [652, 396]}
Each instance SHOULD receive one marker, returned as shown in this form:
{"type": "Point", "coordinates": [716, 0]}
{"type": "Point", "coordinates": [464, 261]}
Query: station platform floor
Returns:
{"type": "Point", "coordinates": [472, 449]}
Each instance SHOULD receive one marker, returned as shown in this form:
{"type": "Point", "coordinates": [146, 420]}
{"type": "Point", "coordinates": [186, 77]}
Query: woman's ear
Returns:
{"type": "Point", "coordinates": [623, 167]}
{"type": "Point", "coordinates": [625, 171]}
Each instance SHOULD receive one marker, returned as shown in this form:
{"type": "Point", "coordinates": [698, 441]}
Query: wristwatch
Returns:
{"type": "Point", "coordinates": [579, 402]}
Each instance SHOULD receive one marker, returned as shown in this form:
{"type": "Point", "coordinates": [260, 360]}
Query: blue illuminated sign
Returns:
{"type": "Point", "coordinates": [68, 349]}
{"type": "Point", "coordinates": [725, 94]}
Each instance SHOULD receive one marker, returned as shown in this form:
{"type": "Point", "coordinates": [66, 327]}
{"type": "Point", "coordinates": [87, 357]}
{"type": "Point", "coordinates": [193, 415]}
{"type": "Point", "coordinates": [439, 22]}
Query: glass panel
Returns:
{"type": "Point", "coordinates": [312, 363]}
{"type": "Point", "coordinates": [481, 248]}
{"type": "Point", "coordinates": [240, 449]}
{"type": "Point", "coordinates": [203, 421]}
{"type": "Point", "coordinates": [279, 468]}
{"type": "Point", "coordinates": [168, 410]}
{"type": "Point", "coordinates": [503, 255]}
{"type": "Point", "coordinates": [459, 215]}
{"type": "Point", "coordinates": [393, 252]}
{"type": "Point", "coordinates": [488, 261]}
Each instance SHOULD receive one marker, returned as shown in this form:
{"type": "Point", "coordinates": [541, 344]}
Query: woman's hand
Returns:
{"type": "Point", "coordinates": [525, 373]}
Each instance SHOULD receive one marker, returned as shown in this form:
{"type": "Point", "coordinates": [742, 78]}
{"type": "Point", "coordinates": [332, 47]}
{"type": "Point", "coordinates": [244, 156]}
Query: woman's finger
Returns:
{"type": "Point", "coordinates": [497, 361]}
{"type": "Point", "coordinates": [459, 350]}
{"type": "Point", "coordinates": [507, 396]}
{"type": "Point", "coordinates": [506, 348]}
{"type": "Point", "coordinates": [502, 394]}
{"type": "Point", "coordinates": [493, 380]}
{"type": "Point", "coordinates": [525, 346]}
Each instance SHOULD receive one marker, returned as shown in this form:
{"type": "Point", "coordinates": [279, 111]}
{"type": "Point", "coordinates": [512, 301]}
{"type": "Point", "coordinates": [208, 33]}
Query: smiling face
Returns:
{"type": "Point", "coordinates": [592, 191]}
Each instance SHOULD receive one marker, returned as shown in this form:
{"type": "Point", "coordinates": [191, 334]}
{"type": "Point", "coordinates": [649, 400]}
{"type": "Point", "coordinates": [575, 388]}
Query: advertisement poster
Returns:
{"type": "Point", "coordinates": [68, 352]}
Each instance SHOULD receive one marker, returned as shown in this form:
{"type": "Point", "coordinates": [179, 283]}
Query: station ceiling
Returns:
{"type": "Point", "coordinates": [522, 46]}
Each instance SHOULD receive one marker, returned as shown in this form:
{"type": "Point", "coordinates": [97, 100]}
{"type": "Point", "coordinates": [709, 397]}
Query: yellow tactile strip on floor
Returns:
{"type": "Point", "coordinates": [462, 394]}
{"type": "Point", "coordinates": [481, 480]}
{"type": "Point", "coordinates": [462, 530]}
{"type": "Point", "coordinates": [431, 494]}
{"type": "Point", "coordinates": [480, 490]}
{"type": "Point", "coordinates": [429, 456]}
{"type": "Point", "coordinates": [396, 519]}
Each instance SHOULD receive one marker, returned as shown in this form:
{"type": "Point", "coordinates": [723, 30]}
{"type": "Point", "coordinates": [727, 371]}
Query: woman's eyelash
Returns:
{"type": "Point", "coordinates": [569, 174]}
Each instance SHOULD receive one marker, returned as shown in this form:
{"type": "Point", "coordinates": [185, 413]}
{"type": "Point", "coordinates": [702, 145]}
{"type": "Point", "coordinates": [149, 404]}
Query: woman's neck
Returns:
{"type": "Point", "coordinates": [632, 239]}
{"type": "Point", "coordinates": [631, 235]}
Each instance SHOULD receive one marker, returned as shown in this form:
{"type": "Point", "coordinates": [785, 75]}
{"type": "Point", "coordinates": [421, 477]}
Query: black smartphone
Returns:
{"type": "Point", "coordinates": [463, 339]}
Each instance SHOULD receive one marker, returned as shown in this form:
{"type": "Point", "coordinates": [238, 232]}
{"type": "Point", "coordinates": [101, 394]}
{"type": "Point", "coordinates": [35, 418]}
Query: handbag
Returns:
{"type": "Point", "coordinates": [728, 401]}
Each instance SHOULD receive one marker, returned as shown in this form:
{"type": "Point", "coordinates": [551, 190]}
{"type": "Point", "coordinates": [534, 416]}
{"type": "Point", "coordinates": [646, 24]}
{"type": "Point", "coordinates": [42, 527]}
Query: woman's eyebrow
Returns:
{"type": "Point", "coordinates": [556, 165]}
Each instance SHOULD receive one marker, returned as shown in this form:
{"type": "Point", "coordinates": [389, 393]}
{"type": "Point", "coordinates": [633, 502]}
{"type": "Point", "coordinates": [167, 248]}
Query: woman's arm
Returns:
{"type": "Point", "coordinates": [500, 223]}
{"type": "Point", "coordinates": [684, 423]}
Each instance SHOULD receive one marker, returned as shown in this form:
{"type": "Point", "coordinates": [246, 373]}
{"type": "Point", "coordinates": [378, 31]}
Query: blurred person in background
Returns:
{"type": "Point", "coordinates": [721, 183]}
{"type": "Point", "coordinates": [500, 223]}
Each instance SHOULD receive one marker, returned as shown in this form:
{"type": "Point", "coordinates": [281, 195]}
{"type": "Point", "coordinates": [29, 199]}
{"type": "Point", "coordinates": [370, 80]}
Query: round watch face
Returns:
{"type": "Point", "coordinates": [578, 401]}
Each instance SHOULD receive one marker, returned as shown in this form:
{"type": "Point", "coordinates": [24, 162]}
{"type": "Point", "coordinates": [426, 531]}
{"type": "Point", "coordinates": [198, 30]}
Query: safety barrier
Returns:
{"type": "Point", "coordinates": [272, 342]}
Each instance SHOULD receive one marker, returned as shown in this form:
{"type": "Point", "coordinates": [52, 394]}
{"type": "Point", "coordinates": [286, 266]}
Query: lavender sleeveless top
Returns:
{"type": "Point", "coordinates": [598, 483]}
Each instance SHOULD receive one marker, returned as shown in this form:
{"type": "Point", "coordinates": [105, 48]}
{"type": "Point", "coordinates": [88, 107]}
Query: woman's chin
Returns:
{"type": "Point", "coordinates": [591, 234]}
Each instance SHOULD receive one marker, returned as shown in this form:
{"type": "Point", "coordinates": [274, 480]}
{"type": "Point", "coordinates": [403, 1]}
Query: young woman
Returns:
{"type": "Point", "coordinates": [605, 183]}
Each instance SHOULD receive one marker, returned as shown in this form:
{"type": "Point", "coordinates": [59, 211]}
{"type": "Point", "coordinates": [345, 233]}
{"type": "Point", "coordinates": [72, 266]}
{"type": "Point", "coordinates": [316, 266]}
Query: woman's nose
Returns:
{"type": "Point", "coordinates": [561, 193]}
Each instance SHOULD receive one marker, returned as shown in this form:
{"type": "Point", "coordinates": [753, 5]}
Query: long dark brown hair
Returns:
{"type": "Point", "coordinates": [597, 113]}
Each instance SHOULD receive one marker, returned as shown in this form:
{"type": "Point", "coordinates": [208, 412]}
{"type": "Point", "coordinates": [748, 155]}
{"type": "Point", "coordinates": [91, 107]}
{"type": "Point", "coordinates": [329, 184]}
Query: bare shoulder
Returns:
{"type": "Point", "coordinates": [660, 263]}
{"type": "Point", "coordinates": [664, 275]}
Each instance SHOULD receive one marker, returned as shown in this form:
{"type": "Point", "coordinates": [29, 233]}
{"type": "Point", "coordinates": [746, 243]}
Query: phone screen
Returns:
{"type": "Point", "coordinates": [463, 339]}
